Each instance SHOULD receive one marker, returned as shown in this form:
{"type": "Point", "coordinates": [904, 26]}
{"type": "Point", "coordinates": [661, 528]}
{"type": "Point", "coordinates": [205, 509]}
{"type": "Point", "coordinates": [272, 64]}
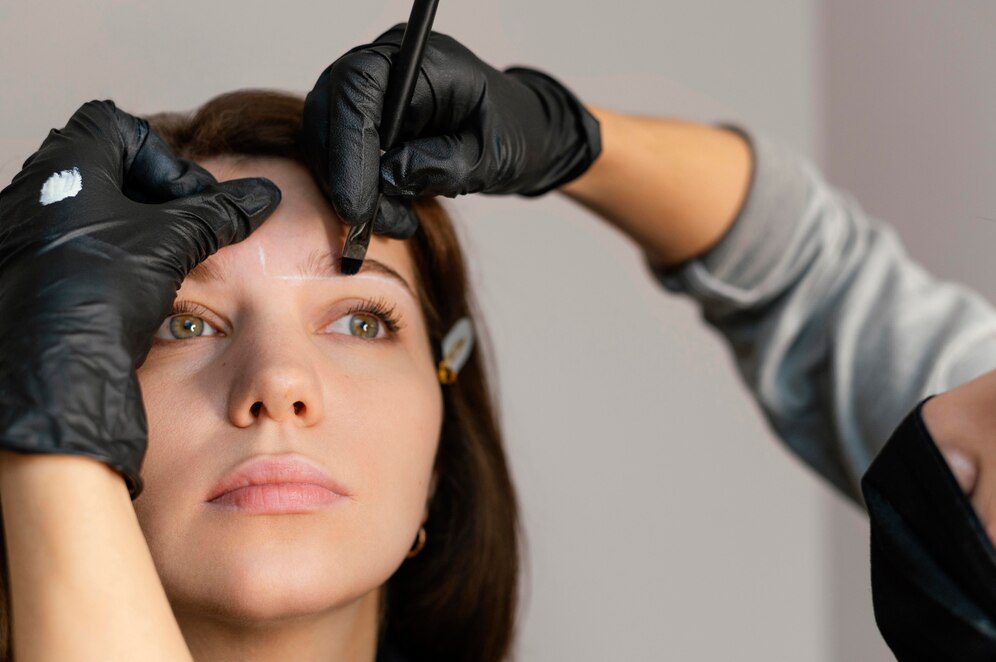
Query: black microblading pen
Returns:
{"type": "Point", "coordinates": [400, 86]}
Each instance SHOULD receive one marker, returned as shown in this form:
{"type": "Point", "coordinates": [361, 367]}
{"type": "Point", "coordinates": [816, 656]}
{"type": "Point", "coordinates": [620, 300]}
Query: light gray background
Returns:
{"type": "Point", "coordinates": [664, 521]}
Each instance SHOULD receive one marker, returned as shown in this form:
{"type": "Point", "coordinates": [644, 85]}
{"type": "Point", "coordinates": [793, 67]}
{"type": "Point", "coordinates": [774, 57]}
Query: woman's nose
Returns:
{"type": "Point", "coordinates": [277, 382]}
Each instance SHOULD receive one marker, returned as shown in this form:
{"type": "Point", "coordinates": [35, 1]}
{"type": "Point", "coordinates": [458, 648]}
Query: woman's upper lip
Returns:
{"type": "Point", "coordinates": [268, 469]}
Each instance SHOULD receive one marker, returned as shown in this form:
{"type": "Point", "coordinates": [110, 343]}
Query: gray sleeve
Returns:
{"type": "Point", "coordinates": [837, 332]}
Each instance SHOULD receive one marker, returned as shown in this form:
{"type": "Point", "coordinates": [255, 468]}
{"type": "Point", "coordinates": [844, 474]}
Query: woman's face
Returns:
{"type": "Point", "coordinates": [265, 333]}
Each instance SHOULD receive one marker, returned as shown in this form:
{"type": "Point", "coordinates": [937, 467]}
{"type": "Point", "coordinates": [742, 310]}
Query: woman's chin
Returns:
{"type": "Point", "coordinates": [265, 580]}
{"type": "Point", "coordinates": [267, 591]}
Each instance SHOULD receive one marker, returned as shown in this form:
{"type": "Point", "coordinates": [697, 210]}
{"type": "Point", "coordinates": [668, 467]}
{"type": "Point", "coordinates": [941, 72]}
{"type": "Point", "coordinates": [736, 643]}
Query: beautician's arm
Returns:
{"type": "Point", "coordinates": [673, 186]}
{"type": "Point", "coordinates": [836, 330]}
{"type": "Point", "coordinates": [83, 584]}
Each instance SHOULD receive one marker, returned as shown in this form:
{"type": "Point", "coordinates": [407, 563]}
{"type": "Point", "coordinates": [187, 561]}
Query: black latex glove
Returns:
{"type": "Point", "coordinates": [933, 567]}
{"type": "Point", "coordinates": [469, 128]}
{"type": "Point", "coordinates": [86, 281]}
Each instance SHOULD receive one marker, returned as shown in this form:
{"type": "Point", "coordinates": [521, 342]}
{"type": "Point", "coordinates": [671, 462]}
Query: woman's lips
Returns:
{"type": "Point", "coordinates": [275, 485]}
{"type": "Point", "coordinates": [277, 498]}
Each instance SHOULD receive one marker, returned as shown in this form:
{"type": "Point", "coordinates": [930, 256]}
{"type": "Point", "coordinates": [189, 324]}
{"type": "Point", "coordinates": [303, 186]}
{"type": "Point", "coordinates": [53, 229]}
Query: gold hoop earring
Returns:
{"type": "Point", "coordinates": [419, 543]}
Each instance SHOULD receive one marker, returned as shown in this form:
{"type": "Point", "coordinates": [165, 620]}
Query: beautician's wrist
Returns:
{"type": "Point", "coordinates": [20, 471]}
{"type": "Point", "coordinates": [674, 186]}
{"type": "Point", "coordinates": [587, 185]}
{"type": "Point", "coordinates": [572, 137]}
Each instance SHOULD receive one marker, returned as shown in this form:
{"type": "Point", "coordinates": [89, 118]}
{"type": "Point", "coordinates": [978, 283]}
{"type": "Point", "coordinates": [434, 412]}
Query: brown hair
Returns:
{"type": "Point", "coordinates": [457, 599]}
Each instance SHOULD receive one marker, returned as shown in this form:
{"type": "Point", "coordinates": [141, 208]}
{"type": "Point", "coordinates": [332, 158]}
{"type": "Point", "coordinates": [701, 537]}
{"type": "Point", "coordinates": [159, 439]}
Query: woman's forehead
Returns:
{"type": "Point", "coordinates": [303, 225]}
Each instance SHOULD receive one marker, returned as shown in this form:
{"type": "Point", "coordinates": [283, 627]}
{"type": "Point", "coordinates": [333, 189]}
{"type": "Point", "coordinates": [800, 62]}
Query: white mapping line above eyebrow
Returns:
{"type": "Point", "coordinates": [320, 265]}
{"type": "Point", "coordinates": [368, 273]}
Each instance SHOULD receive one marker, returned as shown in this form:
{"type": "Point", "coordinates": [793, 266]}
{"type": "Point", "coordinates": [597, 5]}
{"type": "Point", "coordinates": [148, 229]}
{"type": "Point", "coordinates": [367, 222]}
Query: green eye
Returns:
{"type": "Point", "coordinates": [184, 326]}
{"type": "Point", "coordinates": [372, 321]}
{"type": "Point", "coordinates": [363, 325]}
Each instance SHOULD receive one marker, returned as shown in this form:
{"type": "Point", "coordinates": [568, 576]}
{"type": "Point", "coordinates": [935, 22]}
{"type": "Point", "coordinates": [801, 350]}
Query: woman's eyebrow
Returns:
{"type": "Point", "coordinates": [320, 264]}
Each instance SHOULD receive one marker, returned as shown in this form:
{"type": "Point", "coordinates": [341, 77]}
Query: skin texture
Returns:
{"type": "Point", "coordinates": [304, 585]}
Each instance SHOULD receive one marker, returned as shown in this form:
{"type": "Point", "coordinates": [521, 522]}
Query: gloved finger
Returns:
{"type": "Point", "coordinates": [157, 175]}
{"type": "Point", "coordinates": [104, 138]}
{"type": "Point", "coordinates": [90, 146]}
{"type": "Point", "coordinates": [395, 219]}
{"type": "Point", "coordinates": [110, 147]}
{"type": "Point", "coordinates": [356, 87]}
{"type": "Point", "coordinates": [454, 95]}
{"type": "Point", "coordinates": [452, 164]}
{"type": "Point", "coordinates": [222, 214]}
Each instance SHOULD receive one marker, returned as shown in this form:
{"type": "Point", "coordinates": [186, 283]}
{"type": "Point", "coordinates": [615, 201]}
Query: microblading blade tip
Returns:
{"type": "Point", "coordinates": [350, 266]}
{"type": "Point", "coordinates": [355, 248]}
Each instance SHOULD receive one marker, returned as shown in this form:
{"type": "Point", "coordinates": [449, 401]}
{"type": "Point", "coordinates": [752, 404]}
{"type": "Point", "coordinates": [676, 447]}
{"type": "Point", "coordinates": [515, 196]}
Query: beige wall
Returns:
{"type": "Point", "coordinates": [664, 521]}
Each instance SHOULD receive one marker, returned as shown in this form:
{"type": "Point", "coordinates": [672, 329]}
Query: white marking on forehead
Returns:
{"type": "Point", "coordinates": [368, 276]}
{"type": "Point", "coordinates": [262, 257]}
{"type": "Point", "coordinates": [61, 185]}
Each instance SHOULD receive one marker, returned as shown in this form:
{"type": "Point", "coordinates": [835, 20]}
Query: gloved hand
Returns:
{"type": "Point", "coordinates": [469, 128]}
{"type": "Point", "coordinates": [88, 274]}
{"type": "Point", "coordinates": [933, 566]}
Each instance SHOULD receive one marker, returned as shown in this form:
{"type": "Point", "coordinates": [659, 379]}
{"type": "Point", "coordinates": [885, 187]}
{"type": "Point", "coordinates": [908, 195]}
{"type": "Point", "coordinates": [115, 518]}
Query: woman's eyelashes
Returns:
{"type": "Point", "coordinates": [369, 319]}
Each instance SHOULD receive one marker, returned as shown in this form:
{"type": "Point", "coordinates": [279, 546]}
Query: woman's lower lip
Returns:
{"type": "Point", "coordinates": [278, 498]}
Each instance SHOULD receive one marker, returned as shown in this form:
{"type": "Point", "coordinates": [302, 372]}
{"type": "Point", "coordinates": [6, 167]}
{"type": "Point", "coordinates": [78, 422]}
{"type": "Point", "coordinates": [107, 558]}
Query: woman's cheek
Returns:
{"type": "Point", "coordinates": [174, 442]}
{"type": "Point", "coordinates": [402, 423]}
{"type": "Point", "coordinates": [403, 419]}
{"type": "Point", "coordinates": [170, 468]}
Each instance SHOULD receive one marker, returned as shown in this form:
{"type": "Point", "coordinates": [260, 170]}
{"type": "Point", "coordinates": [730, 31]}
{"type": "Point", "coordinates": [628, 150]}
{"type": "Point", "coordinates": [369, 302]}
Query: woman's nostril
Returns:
{"type": "Point", "coordinates": [258, 406]}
